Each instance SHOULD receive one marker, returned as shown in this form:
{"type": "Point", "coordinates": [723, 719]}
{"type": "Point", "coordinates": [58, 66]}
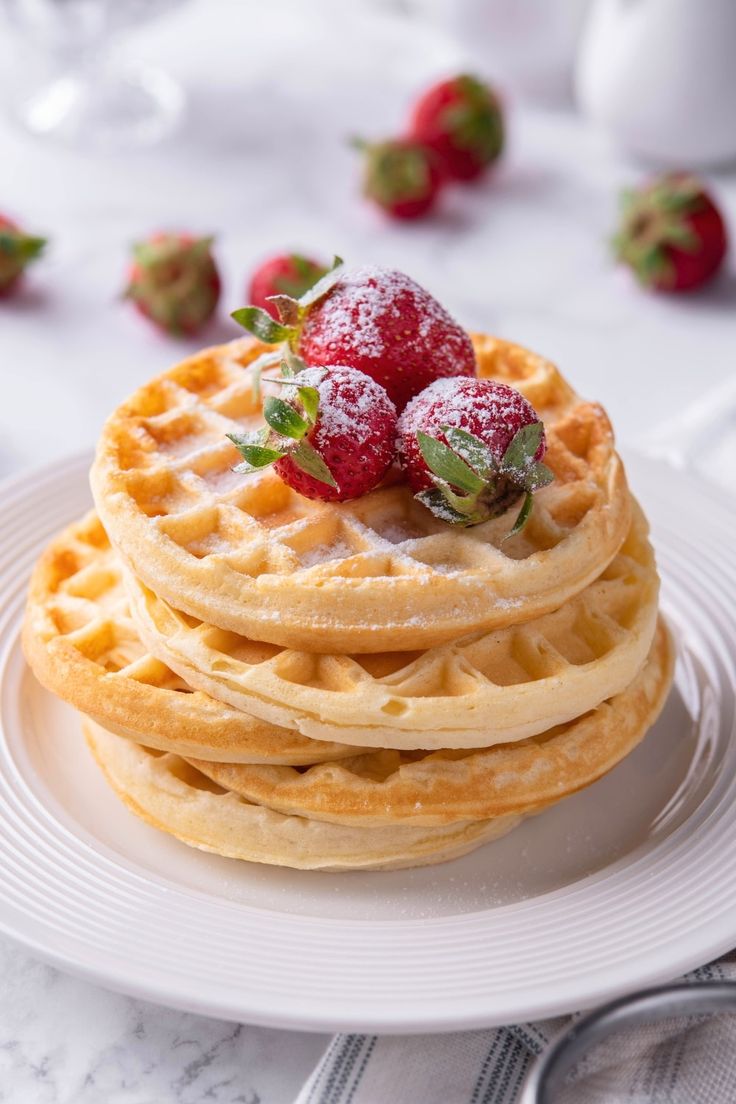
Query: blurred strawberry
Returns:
{"type": "Point", "coordinates": [174, 281]}
{"type": "Point", "coordinates": [17, 249]}
{"type": "Point", "coordinates": [671, 235]}
{"type": "Point", "coordinates": [402, 176]}
{"type": "Point", "coordinates": [462, 121]}
{"type": "Point", "coordinates": [286, 274]}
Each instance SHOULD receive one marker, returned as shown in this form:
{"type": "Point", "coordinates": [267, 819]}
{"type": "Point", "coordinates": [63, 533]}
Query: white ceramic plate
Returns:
{"type": "Point", "coordinates": [628, 883]}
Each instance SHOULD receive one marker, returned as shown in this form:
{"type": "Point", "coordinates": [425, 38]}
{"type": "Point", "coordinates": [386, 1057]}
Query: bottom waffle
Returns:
{"type": "Point", "coordinates": [374, 813]}
{"type": "Point", "coordinates": [169, 793]}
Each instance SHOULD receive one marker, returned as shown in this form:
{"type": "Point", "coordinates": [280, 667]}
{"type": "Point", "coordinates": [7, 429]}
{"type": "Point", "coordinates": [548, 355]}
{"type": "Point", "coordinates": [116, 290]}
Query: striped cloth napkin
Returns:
{"type": "Point", "coordinates": [669, 1063]}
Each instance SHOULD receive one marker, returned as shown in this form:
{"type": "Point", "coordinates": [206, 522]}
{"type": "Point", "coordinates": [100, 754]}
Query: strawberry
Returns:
{"type": "Point", "coordinates": [17, 249]}
{"type": "Point", "coordinates": [174, 281]}
{"type": "Point", "coordinates": [376, 320]}
{"type": "Point", "coordinates": [672, 234]}
{"type": "Point", "coordinates": [462, 121]}
{"type": "Point", "coordinates": [331, 436]}
{"type": "Point", "coordinates": [402, 176]}
{"type": "Point", "coordinates": [286, 274]}
{"type": "Point", "coordinates": [471, 448]}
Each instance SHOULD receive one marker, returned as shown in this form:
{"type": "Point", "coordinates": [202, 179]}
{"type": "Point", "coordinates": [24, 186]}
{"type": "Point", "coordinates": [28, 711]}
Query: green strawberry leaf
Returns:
{"type": "Point", "coordinates": [293, 364]}
{"type": "Point", "coordinates": [310, 401]}
{"type": "Point", "coordinates": [306, 457]}
{"type": "Point", "coordinates": [287, 307]}
{"type": "Point", "coordinates": [284, 419]}
{"type": "Point", "coordinates": [536, 476]}
{"type": "Point", "coordinates": [522, 517]}
{"type": "Point", "coordinates": [436, 502]}
{"type": "Point", "coordinates": [462, 504]}
{"type": "Point", "coordinates": [201, 247]}
{"type": "Point", "coordinates": [472, 450]}
{"type": "Point", "coordinates": [447, 465]}
{"type": "Point", "coordinates": [21, 247]}
{"type": "Point", "coordinates": [255, 458]}
{"type": "Point", "coordinates": [303, 266]}
{"type": "Point", "coordinates": [681, 235]}
{"type": "Point", "coordinates": [255, 437]}
{"type": "Point", "coordinates": [522, 447]}
{"type": "Point", "coordinates": [325, 284]}
{"type": "Point", "coordinates": [252, 448]}
{"type": "Point", "coordinates": [262, 325]}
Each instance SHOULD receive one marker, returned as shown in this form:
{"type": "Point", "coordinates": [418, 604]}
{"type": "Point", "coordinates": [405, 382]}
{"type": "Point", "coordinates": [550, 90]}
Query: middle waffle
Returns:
{"type": "Point", "coordinates": [483, 689]}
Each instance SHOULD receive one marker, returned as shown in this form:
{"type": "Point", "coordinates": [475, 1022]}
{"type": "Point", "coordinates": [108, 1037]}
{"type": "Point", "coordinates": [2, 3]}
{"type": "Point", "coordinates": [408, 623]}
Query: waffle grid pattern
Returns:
{"type": "Point", "coordinates": [479, 690]}
{"type": "Point", "coordinates": [83, 645]}
{"type": "Point", "coordinates": [251, 555]}
{"type": "Point", "coordinates": [391, 787]}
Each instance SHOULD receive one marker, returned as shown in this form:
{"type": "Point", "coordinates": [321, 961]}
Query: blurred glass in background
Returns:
{"type": "Point", "coordinates": [79, 87]}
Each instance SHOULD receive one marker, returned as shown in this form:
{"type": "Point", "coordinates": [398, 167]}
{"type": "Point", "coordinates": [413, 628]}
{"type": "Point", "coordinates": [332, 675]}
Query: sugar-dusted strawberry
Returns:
{"type": "Point", "coordinates": [174, 281]}
{"type": "Point", "coordinates": [376, 320]}
{"type": "Point", "coordinates": [462, 121]}
{"type": "Point", "coordinates": [471, 448]}
{"type": "Point", "coordinates": [17, 249]}
{"type": "Point", "coordinates": [331, 435]}
{"type": "Point", "coordinates": [672, 234]}
{"type": "Point", "coordinates": [402, 176]}
{"type": "Point", "coordinates": [286, 274]}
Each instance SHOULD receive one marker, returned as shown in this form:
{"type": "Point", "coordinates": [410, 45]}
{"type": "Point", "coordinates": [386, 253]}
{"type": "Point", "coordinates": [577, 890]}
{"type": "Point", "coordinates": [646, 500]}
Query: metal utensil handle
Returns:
{"type": "Point", "coordinates": [548, 1075]}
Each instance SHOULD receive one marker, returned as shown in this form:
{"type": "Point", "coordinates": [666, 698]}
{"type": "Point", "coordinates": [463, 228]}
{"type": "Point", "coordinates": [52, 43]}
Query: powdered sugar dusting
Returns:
{"type": "Point", "coordinates": [348, 400]}
{"type": "Point", "coordinates": [368, 296]}
{"type": "Point", "coordinates": [382, 322]}
{"type": "Point", "coordinates": [325, 553]}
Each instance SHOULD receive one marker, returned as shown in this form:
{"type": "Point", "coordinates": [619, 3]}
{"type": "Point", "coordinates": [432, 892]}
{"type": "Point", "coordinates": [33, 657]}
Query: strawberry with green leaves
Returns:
{"type": "Point", "coordinates": [672, 234]}
{"type": "Point", "coordinates": [17, 250]}
{"type": "Point", "coordinates": [374, 319]}
{"type": "Point", "coordinates": [471, 448]}
{"type": "Point", "coordinates": [461, 120]}
{"type": "Point", "coordinates": [402, 176]}
{"type": "Point", "coordinates": [285, 274]}
{"type": "Point", "coordinates": [174, 282]}
{"type": "Point", "coordinates": [330, 434]}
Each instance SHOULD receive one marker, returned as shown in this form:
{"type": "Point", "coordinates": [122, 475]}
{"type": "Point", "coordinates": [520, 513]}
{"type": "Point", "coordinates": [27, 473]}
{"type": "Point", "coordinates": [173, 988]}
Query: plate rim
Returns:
{"type": "Point", "coordinates": [454, 1014]}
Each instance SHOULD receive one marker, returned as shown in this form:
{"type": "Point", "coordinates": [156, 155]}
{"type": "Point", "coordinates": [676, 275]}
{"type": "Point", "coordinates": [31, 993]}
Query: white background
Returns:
{"type": "Point", "coordinates": [275, 90]}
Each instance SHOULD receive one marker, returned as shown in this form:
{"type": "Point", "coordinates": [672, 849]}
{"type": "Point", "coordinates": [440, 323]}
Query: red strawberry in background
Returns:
{"type": "Point", "coordinates": [402, 176]}
{"type": "Point", "coordinates": [17, 250]}
{"type": "Point", "coordinates": [286, 274]}
{"type": "Point", "coordinates": [331, 435]}
{"type": "Point", "coordinates": [174, 281]}
{"type": "Point", "coordinates": [376, 320]}
{"type": "Point", "coordinates": [672, 235]}
{"type": "Point", "coordinates": [471, 448]}
{"type": "Point", "coordinates": [462, 121]}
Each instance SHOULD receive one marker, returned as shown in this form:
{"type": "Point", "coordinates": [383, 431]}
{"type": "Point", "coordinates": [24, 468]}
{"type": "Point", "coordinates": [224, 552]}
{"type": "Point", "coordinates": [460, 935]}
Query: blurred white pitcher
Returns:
{"type": "Point", "coordinates": [526, 46]}
{"type": "Point", "coordinates": [660, 76]}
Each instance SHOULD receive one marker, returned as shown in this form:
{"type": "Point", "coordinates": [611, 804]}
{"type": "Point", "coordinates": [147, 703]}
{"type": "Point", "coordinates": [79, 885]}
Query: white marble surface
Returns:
{"type": "Point", "coordinates": [274, 91]}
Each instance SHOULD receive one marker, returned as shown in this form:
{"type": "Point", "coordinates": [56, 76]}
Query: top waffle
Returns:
{"type": "Point", "coordinates": [248, 554]}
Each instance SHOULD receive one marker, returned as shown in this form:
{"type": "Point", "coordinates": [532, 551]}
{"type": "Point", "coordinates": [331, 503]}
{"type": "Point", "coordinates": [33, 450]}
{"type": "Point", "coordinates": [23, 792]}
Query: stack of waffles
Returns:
{"type": "Point", "coordinates": [345, 685]}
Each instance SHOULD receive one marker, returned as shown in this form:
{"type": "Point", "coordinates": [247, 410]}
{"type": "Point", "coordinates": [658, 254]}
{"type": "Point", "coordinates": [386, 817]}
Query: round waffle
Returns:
{"type": "Point", "coordinates": [445, 787]}
{"type": "Point", "coordinates": [483, 689]}
{"type": "Point", "coordinates": [82, 645]}
{"type": "Point", "coordinates": [248, 554]}
{"type": "Point", "coordinates": [172, 795]}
